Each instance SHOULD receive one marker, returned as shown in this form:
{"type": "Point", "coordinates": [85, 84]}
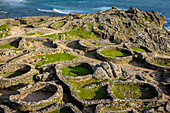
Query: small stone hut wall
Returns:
{"type": "Point", "coordinates": [150, 63]}
{"type": "Point", "coordinates": [125, 59]}
{"type": "Point", "coordinates": [33, 106]}
{"type": "Point", "coordinates": [24, 78]}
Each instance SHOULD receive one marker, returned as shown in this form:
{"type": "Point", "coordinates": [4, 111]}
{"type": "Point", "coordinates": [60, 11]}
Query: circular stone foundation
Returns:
{"type": "Point", "coordinates": [141, 51]}
{"type": "Point", "coordinates": [75, 70]}
{"type": "Point", "coordinates": [158, 63]}
{"type": "Point", "coordinates": [134, 91]}
{"type": "Point", "coordinates": [90, 45]}
{"type": "Point", "coordinates": [37, 96]}
{"type": "Point", "coordinates": [114, 54]}
{"type": "Point", "coordinates": [14, 74]}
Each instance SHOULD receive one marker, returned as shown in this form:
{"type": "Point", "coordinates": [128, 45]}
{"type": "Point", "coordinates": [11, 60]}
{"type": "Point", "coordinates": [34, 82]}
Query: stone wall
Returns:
{"type": "Point", "coordinates": [75, 63]}
{"type": "Point", "coordinates": [33, 106]}
{"type": "Point", "coordinates": [24, 78]}
{"type": "Point", "coordinates": [54, 107]}
{"type": "Point", "coordinates": [150, 63]}
{"type": "Point", "coordinates": [125, 59]}
{"type": "Point", "coordinates": [157, 90]}
{"type": "Point", "coordinates": [140, 55]}
{"type": "Point", "coordinates": [86, 48]}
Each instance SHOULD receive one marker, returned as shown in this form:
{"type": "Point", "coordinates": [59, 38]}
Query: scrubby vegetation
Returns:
{"type": "Point", "coordinates": [114, 53]}
{"type": "Point", "coordinates": [75, 71]}
{"type": "Point", "coordinates": [37, 33]}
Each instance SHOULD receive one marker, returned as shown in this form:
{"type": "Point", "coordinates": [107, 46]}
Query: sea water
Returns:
{"type": "Point", "coordinates": [22, 8]}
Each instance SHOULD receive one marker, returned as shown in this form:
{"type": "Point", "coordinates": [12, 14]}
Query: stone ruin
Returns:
{"type": "Point", "coordinates": [51, 82]}
{"type": "Point", "coordinates": [125, 59]}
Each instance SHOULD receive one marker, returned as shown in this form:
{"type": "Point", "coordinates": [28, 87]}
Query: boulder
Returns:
{"type": "Point", "coordinates": [100, 73]}
{"type": "Point", "coordinates": [42, 77]}
{"type": "Point", "coordinates": [133, 10]}
{"type": "Point", "coordinates": [116, 70]}
{"type": "Point", "coordinates": [107, 68]}
{"type": "Point", "coordinates": [142, 55]}
{"type": "Point", "coordinates": [167, 107]}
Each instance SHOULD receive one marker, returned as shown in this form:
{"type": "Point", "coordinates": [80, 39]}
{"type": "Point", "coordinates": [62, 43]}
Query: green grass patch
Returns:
{"type": "Point", "coordinates": [148, 19]}
{"type": "Point", "coordinates": [91, 93]}
{"type": "Point", "coordinates": [6, 46]}
{"type": "Point", "coordinates": [91, 44]}
{"type": "Point", "coordinates": [162, 64]}
{"type": "Point", "coordinates": [37, 33]}
{"type": "Point", "coordinates": [114, 53]}
{"type": "Point", "coordinates": [51, 58]}
{"type": "Point", "coordinates": [112, 108]}
{"type": "Point", "coordinates": [138, 49]}
{"type": "Point", "coordinates": [76, 71]}
{"type": "Point", "coordinates": [4, 31]}
{"type": "Point", "coordinates": [164, 53]}
{"type": "Point", "coordinates": [54, 36]}
{"type": "Point", "coordinates": [11, 74]}
{"type": "Point", "coordinates": [83, 34]}
{"type": "Point", "coordinates": [132, 91]}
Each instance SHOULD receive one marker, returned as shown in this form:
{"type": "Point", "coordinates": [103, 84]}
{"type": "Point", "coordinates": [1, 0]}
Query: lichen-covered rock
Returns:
{"type": "Point", "coordinates": [167, 107]}
{"type": "Point", "coordinates": [100, 73]}
{"type": "Point", "coordinates": [117, 71]}
{"type": "Point", "coordinates": [107, 68]}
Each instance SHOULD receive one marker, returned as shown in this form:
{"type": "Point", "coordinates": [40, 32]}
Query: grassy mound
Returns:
{"type": "Point", "coordinates": [90, 93]}
{"type": "Point", "coordinates": [138, 49]}
{"type": "Point", "coordinates": [51, 58]}
{"type": "Point", "coordinates": [114, 53]}
{"type": "Point", "coordinates": [132, 91]}
{"type": "Point", "coordinates": [75, 71]}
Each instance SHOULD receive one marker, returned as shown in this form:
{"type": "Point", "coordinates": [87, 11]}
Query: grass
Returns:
{"type": "Point", "coordinates": [75, 71]}
{"type": "Point", "coordinates": [4, 31]}
{"type": "Point", "coordinates": [112, 108]}
{"type": "Point", "coordinates": [114, 53]}
{"type": "Point", "coordinates": [83, 34]}
{"type": "Point", "coordinates": [11, 74]}
{"type": "Point", "coordinates": [37, 33]}
{"type": "Point", "coordinates": [51, 58]}
{"type": "Point", "coordinates": [162, 64]}
{"type": "Point", "coordinates": [91, 44]}
{"type": "Point", "coordinates": [90, 93]}
{"type": "Point", "coordinates": [164, 53]}
{"type": "Point", "coordinates": [54, 36]}
{"type": "Point", "coordinates": [132, 91]}
{"type": "Point", "coordinates": [138, 49]}
{"type": "Point", "coordinates": [6, 46]}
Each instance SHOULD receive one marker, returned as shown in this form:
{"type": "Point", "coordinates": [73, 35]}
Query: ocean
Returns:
{"type": "Point", "coordinates": [22, 8]}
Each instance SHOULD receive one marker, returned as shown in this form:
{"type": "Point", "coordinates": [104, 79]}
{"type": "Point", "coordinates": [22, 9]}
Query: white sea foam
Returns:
{"type": "Point", "coordinates": [3, 12]}
{"type": "Point", "coordinates": [55, 10]}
